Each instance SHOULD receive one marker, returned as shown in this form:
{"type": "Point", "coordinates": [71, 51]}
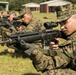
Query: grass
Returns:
{"type": "Point", "coordinates": [50, 16]}
{"type": "Point", "coordinates": [13, 64]}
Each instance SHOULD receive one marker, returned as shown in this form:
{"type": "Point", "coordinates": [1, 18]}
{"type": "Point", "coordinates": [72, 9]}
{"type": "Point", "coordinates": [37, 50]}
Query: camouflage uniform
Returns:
{"type": "Point", "coordinates": [8, 29]}
{"type": "Point", "coordinates": [57, 62]}
{"type": "Point", "coordinates": [34, 25]}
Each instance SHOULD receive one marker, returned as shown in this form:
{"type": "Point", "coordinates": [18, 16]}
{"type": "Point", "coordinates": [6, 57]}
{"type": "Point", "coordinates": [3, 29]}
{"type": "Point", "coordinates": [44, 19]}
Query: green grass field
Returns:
{"type": "Point", "coordinates": [15, 64]}
{"type": "Point", "coordinates": [50, 16]}
{"type": "Point", "coordinates": [12, 64]}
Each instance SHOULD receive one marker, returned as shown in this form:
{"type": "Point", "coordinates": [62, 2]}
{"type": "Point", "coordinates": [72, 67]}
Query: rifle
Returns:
{"type": "Point", "coordinates": [18, 24]}
{"type": "Point", "coordinates": [11, 26]}
{"type": "Point", "coordinates": [45, 35]}
{"type": "Point", "coordinates": [7, 25]}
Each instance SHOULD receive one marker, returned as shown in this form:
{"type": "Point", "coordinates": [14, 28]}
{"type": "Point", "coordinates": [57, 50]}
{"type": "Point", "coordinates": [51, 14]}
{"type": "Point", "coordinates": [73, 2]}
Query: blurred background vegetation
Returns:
{"type": "Point", "coordinates": [16, 4]}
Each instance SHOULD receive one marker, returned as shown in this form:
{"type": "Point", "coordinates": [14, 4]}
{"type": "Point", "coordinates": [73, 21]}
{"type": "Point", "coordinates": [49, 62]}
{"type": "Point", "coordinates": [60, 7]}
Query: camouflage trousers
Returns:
{"type": "Point", "coordinates": [44, 63]}
{"type": "Point", "coordinates": [60, 72]}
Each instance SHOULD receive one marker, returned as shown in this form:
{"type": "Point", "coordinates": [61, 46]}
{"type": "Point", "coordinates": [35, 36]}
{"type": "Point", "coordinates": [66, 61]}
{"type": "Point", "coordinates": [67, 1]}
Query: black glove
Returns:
{"type": "Point", "coordinates": [27, 47]}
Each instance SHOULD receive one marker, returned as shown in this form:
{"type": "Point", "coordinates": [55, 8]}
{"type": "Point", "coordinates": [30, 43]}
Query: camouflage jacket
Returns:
{"type": "Point", "coordinates": [56, 59]}
{"type": "Point", "coordinates": [7, 27]}
{"type": "Point", "coordinates": [34, 25]}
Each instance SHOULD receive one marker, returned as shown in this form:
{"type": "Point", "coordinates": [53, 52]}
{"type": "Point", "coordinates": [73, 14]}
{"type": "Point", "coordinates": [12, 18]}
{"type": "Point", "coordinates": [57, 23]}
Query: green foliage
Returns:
{"type": "Point", "coordinates": [73, 1]}
{"type": "Point", "coordinates": [16, 4]}
{"type": "Point", "coordinates": [1, 8]}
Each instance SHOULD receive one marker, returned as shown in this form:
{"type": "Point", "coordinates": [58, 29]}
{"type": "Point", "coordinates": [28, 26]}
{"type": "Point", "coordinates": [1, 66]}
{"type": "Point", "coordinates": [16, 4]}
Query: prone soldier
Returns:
{"type": "Point", "coordinates": [6, 24]}
{"type": "Point", "coordinates": [29, 24]}
{"type": "Point", "coordinates": [60, 59]}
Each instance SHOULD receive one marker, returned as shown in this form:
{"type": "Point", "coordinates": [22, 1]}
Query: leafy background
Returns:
{"type": "Point", "coordinates": [16, 4]}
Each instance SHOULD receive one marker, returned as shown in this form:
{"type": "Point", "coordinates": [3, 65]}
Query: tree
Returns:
{"type": "Point", "coordinates": [16, 4]}
{"type": "Point", "coordinates": [73, 1]}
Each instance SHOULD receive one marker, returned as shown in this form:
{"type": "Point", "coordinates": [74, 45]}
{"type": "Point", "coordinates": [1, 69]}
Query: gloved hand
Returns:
{"type": "Point", "coordinates": [28, 47]}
